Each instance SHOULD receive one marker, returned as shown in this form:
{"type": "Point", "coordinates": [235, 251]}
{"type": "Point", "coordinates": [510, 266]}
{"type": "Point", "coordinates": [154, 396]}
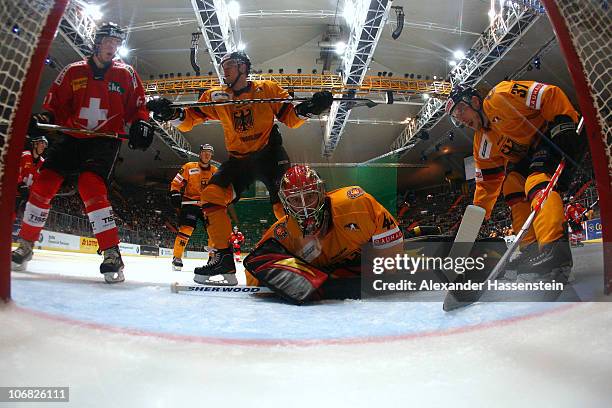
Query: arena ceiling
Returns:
{"type": "Point", "coordinates": [278, 38]}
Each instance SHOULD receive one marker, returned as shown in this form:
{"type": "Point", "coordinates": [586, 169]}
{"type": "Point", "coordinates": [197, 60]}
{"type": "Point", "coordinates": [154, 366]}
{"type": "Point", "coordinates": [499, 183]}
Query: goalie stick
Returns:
{"type": "Point", "coordinates": [211, 289]}
{"type": "Point", "coordinates": [357, 102]}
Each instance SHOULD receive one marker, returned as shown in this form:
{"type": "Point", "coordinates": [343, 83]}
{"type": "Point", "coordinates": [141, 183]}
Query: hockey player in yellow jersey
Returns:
{"type": "Point", "coordinates": [185, 192]}
{"type": "Point", "coordinates": [522, 129]}
{"type": "Point", "coordinates": [253, 141]}
{"type": "Point", "coordinates": [315, 250]}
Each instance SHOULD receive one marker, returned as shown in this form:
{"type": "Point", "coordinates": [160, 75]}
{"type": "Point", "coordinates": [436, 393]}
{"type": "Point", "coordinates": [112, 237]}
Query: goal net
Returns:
{"type": "Point", "coordinates": [28, 28]}
{"type": "Point", "coordinates": [582, 28]}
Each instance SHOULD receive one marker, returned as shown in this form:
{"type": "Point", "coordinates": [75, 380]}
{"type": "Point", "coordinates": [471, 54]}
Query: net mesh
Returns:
{"type": "Point", "coordinates": [589, 25]}
{"type": "Point", "coordinates": [22, 25]}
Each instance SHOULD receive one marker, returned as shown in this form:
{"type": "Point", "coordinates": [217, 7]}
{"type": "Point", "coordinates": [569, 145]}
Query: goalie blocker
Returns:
{"type": "Point", "coordinates": [287, 275]}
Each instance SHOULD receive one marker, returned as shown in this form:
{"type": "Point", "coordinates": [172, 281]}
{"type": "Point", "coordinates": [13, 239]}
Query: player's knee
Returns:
{"type": "Point", "coordinates": [186, 230]}
{"type": "Point", "coordinates": [214, 194]}
{"type": "Point", "coordinates": [535, 183]}
{"type": "Point", "coordinates": [92, 189]}
{"type": "Point", "coordinates": [45, 187]}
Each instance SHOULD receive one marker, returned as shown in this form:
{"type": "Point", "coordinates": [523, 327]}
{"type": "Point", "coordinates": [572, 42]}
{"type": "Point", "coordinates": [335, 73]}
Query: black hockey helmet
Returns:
{"type": "Point", "coordinates": [460, 93]}
{"type": "Point", "coordinates": [208, 147]}
{"type": "Point", "coordinates": [239, 56]}
{"type": "Point", "coordinates": [109, 29]}
{"type": "Point", "coordinates": [39, 138]}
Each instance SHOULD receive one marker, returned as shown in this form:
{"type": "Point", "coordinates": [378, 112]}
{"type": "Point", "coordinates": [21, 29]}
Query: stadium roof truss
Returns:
{"type": "Point", "coordinates": [365, 31]}
{"type": "Point", "coordinates": [214, 22]}
{"type": "Point", "coordinates": [503, 33]}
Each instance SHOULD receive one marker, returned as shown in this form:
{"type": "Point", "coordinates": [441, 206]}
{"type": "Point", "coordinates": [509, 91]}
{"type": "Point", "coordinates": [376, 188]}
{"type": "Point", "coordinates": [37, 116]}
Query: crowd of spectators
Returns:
{"type": "Point", "coordinates": [145, 217]}
{"type": "Point", "coordinates": [444, 205]}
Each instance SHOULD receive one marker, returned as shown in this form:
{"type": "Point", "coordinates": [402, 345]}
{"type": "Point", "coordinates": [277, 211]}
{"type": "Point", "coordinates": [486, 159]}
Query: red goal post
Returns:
{"type": "Point", "coordinates": [582, 28]}
{"type": "Point", "coordinates": [28, 28]}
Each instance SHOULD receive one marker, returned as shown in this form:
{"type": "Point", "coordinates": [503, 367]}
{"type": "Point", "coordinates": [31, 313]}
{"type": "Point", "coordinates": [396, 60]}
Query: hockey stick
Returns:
{"type": "Point", "coordinates": [56, 128]}
{"type": "Point", "coordinates": [357, 102]}
{"type": "Point", "coordinates": [231, 290]}
{"type": "Point", "coordinates": [589, 208]}
{"type": "Point", "coordinates": [451, 302]}
{"type": "Point", "coordinates": [466, 235]}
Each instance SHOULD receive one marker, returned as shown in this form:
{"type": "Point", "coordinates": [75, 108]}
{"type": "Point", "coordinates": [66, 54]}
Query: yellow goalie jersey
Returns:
{"type": "Point", "coordinates": [246, 127]}
{"type": "Point", "coordinates": [191, 179]}
{"type": "Point", "coordinates": [356, 219]}
{"type": "Point", "coordinates": [517, 111]}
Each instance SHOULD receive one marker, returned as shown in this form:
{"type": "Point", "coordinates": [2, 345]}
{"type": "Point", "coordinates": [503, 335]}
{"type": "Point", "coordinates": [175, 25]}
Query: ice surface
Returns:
{"type": "Point", "coordinates": [138, 344]}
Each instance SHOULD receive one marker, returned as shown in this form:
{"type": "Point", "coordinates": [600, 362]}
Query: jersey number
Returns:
{"type": "Point", "coordinates": [520, 90]}
{"type": "Point", "coordinates": [387, 223]}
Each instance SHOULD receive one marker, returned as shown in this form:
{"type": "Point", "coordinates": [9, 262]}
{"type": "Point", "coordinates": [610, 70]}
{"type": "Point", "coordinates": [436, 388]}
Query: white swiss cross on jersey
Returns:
{"type": "Point", "coordinates": [93, 114]}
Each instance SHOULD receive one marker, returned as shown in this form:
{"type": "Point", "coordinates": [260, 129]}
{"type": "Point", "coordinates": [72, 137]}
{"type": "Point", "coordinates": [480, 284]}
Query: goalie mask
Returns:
{"type": "Point", "coordinates": [302, 194]}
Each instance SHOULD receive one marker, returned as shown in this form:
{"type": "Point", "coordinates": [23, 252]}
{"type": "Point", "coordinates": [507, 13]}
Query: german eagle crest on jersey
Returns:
{"type": "Point", "coordinates": [243, 120]}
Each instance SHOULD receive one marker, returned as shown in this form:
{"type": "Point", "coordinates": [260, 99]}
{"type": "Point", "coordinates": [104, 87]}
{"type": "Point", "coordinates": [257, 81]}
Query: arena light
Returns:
{"type": "Point", "coordinates": [349, 12]}
{"type": "Point", "coordinates": [491, 14]}
{"type": "Point", "coordinates": [241, 46]}
{"type": "Point", "coordinates": [233, 9]}
{"type": "Point", "coordinates": [340, 47]}
{"type": "Point", "coordinates": [123, 51]}
{"type": "Point", "coordinates": [425, 96]}
{"type": "Point", "coordinates": [93, 11]}
{"type": "Point", "coordinates": [459, 54]}
{"type": "Point", "coordinates": [452, 63]}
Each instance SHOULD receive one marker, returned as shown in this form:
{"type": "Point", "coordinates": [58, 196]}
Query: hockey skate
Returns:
{"type": "Point", "coordinates": [553, 262]}
{"type": "Point", "coordinates": [177, 264]}
{"type": "Point", "coordinates": [21, 256]}
{"type": "Point", "coordinates": [220, 269]}
{"type": "Point", "coordinates": [520, 262]}
{"type": "Point", "coordinates": [112, 265]}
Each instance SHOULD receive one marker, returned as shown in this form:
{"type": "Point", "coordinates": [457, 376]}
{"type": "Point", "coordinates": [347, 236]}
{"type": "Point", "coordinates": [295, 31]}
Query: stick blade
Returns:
{"type": "Point", "coordinates": [467, 234]}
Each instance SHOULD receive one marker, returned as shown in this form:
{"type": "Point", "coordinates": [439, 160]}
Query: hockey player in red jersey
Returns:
{"type": "Point", "coordinates": [575, 214]}
{"type": "Point", "coordinates": [99, 94]}
{"type": "Point", "coordinates": [236, 240]}
{"type": "Point", "coordinates": [29, 167]}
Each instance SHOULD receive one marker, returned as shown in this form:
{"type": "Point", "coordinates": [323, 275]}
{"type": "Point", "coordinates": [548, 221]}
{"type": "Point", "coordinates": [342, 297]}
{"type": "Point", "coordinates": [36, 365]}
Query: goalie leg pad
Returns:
{"type": "Point", "coordinates": [288, 276]}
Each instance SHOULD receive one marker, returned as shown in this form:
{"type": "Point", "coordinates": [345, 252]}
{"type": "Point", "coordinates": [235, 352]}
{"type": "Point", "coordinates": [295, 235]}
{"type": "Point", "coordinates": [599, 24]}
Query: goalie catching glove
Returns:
{"type": "Point", "coordinates": [287, 275]}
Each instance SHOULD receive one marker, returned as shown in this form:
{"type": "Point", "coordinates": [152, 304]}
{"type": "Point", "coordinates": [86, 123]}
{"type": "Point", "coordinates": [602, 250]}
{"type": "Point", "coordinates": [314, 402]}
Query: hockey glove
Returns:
{"type": "Point", "coordinates": [162, 110]}
{"type": "Point", "coordinates": [176, 199]}
{"type": "Point", "coordinates": [141, 135]}
{"type": "Point", "coordinates": [35, 119]}
{"type": "Point", "coordinates": [319, 103]}
{"type": "Point", "coordinates": [288, 276]}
